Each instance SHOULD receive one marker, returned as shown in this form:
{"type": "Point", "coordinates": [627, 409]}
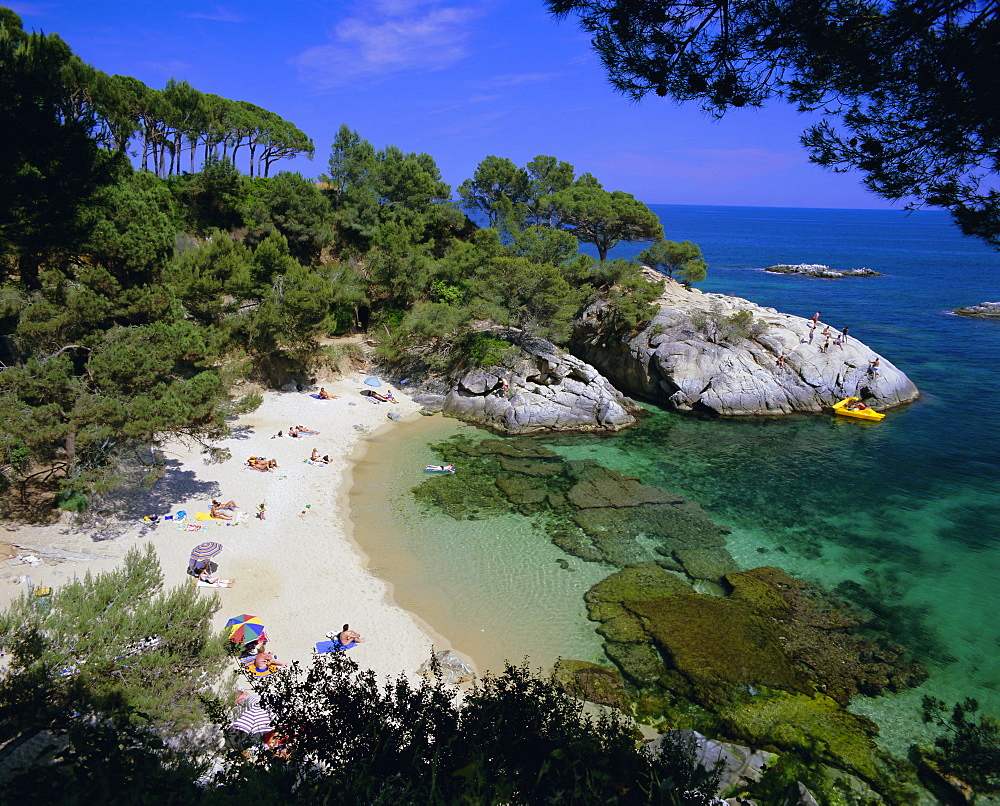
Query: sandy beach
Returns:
{"type": "Point", "coordinates": [299, 569]}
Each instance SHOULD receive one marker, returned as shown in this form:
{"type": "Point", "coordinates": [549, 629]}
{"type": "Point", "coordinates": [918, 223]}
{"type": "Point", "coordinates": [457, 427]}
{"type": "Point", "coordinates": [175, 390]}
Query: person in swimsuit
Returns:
{"type": "Point", "coordinates": [264, 660]}
{"type": "Point", "coordinates": [205, 575]}
{"type": "Point", "coordinates": [348, 636]}
{"type": "Point", "coordinates": [217, 510]}
{"type": "Point", "coordinates": [301, 429]}
{"type": "Point", "coordinates": [324, 395]}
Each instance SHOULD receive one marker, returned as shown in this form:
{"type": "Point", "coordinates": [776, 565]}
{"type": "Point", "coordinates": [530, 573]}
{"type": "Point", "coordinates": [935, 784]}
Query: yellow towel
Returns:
{"type": "Point", "coordinates": [207, 516]}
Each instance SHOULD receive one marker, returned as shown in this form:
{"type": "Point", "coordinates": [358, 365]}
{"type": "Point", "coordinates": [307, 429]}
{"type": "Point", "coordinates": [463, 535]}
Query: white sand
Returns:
{"type": "Point", "coordinates": [298, 569]}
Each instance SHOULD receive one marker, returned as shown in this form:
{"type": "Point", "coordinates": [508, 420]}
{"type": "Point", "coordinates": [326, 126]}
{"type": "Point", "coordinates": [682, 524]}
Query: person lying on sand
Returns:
{"type": "Point", "coordinates": [264, 660]}
{"type": "Point", "coordinates": [303, 430]}
{"type": "Point", "coordinates": [261, 463]}
{"type": "Point", "coordinates": [205, 575]}
{"type": "Point", "coordinates": [217, 510]}
{"type": "Point", "coordinates": [324, 395]}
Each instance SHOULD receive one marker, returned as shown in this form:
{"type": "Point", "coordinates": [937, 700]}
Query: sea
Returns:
{"type": "Point", "coordinates": [905, 511]}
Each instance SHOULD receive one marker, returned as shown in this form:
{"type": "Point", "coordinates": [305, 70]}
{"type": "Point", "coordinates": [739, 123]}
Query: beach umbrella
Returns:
{"type": "Point", "coordinates": [373, 381]}
{"type": "Point", "coordinates": [254, 719]}
{"type": "Point", "coordinates": [204, 551]}
{"type": "Point", "coordinates": [244, 628]}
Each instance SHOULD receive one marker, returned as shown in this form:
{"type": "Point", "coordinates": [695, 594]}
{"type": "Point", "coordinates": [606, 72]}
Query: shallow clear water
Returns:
{"type": "Point", "coordinates": [495, 588]}
{"type": "Point", "coordinates": [906, 508]}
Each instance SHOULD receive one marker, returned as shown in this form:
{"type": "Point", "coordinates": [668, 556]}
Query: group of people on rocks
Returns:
{"type": "Point", "coordinates": [828, 335]}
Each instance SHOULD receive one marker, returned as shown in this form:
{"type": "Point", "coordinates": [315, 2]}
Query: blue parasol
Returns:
{"type": "Point", "coordinates": [373, 381]}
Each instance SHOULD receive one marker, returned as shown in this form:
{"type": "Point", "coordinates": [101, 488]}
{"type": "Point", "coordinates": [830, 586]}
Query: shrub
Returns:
{"type": "Point", "coordinates": [487, 351]}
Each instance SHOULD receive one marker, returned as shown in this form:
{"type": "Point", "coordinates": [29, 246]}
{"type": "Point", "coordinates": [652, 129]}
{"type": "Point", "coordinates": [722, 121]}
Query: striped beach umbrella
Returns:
{"type": "Point", "coordinates": [204, 551]}
{"type": "Point", "coordinates": [244, 628]}
{"type": "Point", "coordinates": [254, 720]}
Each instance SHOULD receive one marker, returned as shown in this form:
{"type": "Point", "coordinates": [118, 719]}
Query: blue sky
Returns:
{"type": "Point", "coordinates": [459, 79]}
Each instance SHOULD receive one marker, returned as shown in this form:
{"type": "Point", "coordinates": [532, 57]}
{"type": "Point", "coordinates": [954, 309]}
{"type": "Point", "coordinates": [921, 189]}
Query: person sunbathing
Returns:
{"type": "Point", "coordinates": [217, 510]}
{"type": "Point", "coordinates": [303, 430]}
{"type": "Point", "coordinates": [264, 660]}
{"type": "Point", "coordinates": [205, 575]}
{"type": "Point", "coordinates": [324, 395]}
{"type": "Point", "coordinates": [260, 463]}
{"type": "Point", "coordinates": [348, 636]}
{"type": "Point", "coordinates": [315, 457]}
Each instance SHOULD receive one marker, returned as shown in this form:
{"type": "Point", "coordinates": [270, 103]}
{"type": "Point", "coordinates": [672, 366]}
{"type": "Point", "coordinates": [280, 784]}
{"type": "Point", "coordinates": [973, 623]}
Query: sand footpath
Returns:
{"type": "Point", "coordinates": [298, 569]}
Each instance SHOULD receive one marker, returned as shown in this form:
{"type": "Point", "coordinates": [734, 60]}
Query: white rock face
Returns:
{"type": "Point", "coordinates": [545, 389]}
{"type": "Point", "coordinates": [690, 358]}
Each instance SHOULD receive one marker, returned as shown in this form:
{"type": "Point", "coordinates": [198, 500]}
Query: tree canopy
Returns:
{"type": "Point", "coordinates": [604, 219]}
{"type": "Point", "coordinates": [669, 257]}
{"type": "Point", "coordinates": [907, 89]}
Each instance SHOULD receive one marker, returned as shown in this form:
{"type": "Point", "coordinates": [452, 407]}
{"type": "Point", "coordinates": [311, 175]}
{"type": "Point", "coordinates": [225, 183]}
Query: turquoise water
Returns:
{"type": "Point", "coordinates": [900, 514]}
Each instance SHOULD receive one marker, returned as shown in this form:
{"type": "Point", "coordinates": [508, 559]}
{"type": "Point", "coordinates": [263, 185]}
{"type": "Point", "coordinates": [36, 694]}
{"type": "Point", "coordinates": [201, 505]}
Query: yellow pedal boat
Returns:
{"type": "Point", "coordinates": [862, 413]}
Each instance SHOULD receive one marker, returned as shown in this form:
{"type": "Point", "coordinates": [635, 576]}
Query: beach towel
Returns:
{"type": "Point", "coordinates": [188, 527]}
{"type": "Point", "coordinates": [323, 647]}
{"type": "Point", "coordinates": [311, 462]}
{"type": "Point", "coordinates": [201, 583]}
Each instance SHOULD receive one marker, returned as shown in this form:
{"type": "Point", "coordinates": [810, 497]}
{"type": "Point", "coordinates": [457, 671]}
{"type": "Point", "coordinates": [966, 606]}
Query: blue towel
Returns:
{"type": "Point", "coordinates": [333, 646]}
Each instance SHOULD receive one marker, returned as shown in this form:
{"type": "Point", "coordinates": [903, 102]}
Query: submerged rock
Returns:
{"type": "Point", "coordinates": [540, 388]}
{"type": "Point", "coordinates": [771, 631]}
{"type": "Point", "coordinates": [714, 353]}
{"type": "Point", "coordinates": [811, 724]}
{"type": "Point", "coordinates": [720, 646]}
{"type": "Point", "coordinates": [451, 668]}
{"type": "Point", "coordinates": [590, 682]}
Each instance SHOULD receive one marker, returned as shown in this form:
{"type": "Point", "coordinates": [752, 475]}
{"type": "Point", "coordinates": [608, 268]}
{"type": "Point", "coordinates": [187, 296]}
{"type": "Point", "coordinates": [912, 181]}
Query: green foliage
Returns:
{"type": "Point", "coordinates": [94, 641]}
{"type": "Point", "coordinates": [515, 739]}
{"type": "Point", "coordinates": [669, 257]}
{"type": "Point", "coordinates": [544, 245]}
{"type": "Point", "coordinates": [51, 170]}
{"type": "Point", "coordinates": [721, 327]}
{"type": "Point", "coordinates": [113, 663]}
{"type": "Point", "coordinates": [498, 190]}
{"type": "Point", "coordinates": [134, 227]}
{"type": "Point", "coordinates": [214, 198]}
{"type": "Point", "coordinates": [487, 351]}
{"type": "Point", "coordinates": [970, 747]}
{"type": "Point", "coordinates": [742, 325]}
{"type": "Point", "coordinates": [294, 207]}
{"type": "Point", "coordinates": [603, 219]}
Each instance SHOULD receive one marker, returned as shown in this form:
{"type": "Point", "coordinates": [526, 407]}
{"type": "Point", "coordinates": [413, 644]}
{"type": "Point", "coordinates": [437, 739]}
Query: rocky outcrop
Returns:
{"type": "Point", "coordinates": [541, 388]}
{"type": "Point", "coordinates": [714, 353]}
{"type": "Point", "coordinates": [821, 270]}
{"type": "Point", "coordinates": [985, 310]}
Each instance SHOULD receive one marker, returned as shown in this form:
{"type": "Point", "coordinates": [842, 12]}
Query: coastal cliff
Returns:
{"type": "Point", "coordinates": [721, 354]}
{"type": "Point", "coordinates": [539, 388]}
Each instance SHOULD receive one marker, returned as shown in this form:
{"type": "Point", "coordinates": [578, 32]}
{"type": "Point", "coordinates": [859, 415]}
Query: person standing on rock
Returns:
{"type": "Point", "coordinates": [873, 367]}
{"type": "Point", "coordinates": [816, 317]}
{"type": "Point", "coordinates": [812, 332]}
{"type": "Point", "coordinates": [844, 333]}
{"type": "Point", "coordinates": [826, 345]}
